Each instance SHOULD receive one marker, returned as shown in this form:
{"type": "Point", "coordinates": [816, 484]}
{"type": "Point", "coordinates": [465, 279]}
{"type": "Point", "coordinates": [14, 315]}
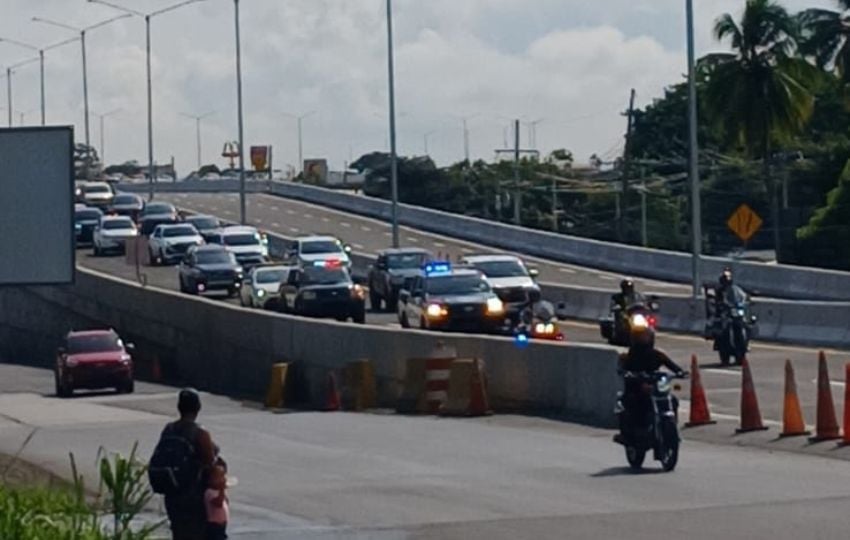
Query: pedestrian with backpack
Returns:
{"type": "Point", "coordinates": [180, 467]}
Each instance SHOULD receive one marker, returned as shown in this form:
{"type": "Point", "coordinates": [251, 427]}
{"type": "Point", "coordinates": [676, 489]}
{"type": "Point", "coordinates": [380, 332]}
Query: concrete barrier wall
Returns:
{"type": "Point", "coordinates": [229, 350]}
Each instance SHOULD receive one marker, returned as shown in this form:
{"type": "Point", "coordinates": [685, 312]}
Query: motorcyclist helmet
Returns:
{"type": "Point", "coordinates": [726, 277]}
{"type": "Point", "coordinates": [641, 331]}
{"type": "Point", "coordinates": [627, 286]}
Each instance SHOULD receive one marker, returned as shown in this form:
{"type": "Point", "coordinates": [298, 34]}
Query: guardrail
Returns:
{"type": "Point", "coordinates": [780, 281]}
{"type": "Point", "coordinates": [229, 350]}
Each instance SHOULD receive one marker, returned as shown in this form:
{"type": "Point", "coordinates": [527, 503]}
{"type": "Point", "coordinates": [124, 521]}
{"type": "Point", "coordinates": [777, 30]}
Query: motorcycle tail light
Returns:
{"type": "Point", "coordinates": [653, 322]}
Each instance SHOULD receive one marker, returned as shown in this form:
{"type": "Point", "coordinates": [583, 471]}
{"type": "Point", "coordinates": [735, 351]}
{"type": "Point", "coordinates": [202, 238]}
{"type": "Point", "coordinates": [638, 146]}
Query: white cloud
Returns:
{"type": "Point", "coordinates": [571, 62]}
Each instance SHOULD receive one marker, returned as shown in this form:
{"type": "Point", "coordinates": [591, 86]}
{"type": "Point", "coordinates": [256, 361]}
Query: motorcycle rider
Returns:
{"type": "Point", "coordinates": [627, 296]}
{"type": "Point", "coordinates": [724, 296]}
{"type": "Point", "coordinates": [534, 304]}
{"type": "Point", "coordinates": [642, 357]}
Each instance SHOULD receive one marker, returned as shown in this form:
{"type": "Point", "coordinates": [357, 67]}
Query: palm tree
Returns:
{"type": "Point", "coordinates": [825, 37]}
{"type": "Point", "coordinates": [758, 93]}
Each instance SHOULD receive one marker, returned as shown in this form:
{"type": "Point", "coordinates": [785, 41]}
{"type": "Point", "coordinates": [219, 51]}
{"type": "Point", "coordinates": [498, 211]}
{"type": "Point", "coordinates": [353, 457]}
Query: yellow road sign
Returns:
{"type": "Point", "coordinates": [745, 223]}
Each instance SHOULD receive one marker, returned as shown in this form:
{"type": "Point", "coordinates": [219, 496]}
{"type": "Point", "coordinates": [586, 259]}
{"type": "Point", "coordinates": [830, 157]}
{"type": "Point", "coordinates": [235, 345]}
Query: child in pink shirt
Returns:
{"type": "Point", "coordinates": [216, 503]}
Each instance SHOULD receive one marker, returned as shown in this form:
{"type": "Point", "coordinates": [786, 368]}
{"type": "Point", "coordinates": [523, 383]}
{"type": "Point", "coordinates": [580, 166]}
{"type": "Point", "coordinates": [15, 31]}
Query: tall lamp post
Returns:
{"type": "Point", "coordinates": [41, 51]}
{"type": "Point", "coordinates": [300, 119]}
{"type": "Point", "coordinates": [9, 71]}
{"type": "Point", "coordinates": [198, 118]}
{"type": "Point", "coordinates": [102, 118]}
{"type": "Point", "coordinates": [147, 17]}
{"type": "Point", "coordinates": [693, 154]}
{"type": "Point", "coordinates": [242, 206]}
{"type": "Point", "coordinates": [393, 148]}
{"type": "Point", "coordinates": [83, 32]}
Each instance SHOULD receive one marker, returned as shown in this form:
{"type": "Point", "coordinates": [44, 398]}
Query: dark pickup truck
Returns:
{"type": "Point", "coordinates": [393, 270]}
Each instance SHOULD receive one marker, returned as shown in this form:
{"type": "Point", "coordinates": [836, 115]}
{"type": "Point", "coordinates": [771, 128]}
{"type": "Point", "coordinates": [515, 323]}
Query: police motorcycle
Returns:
{"type": "Point", "coordinates": [731, 325]}
{"type": "Point", "coordinates": [538, 320]}
{"type": "Point", "coordinates": [616, 327]}
{"type": "Point", "coordinates": [655, 429]}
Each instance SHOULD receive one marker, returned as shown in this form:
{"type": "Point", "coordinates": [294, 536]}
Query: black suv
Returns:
{"type": "Point", "coordinates": [157, 213]}
{"type": "Point", "coordinates": [323, 289]}
{"type": "Point", "coordinates": [210, 268]}
{"type": "Point", "coordinates": [208, 226]}
{"type": "Point", "coordinates": [394, 270]}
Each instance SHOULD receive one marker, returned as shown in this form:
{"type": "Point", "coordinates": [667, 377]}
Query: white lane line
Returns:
{"type": "Point", "coordinates": [387, 233]}
{"type": "Point", "coordinates": [228, 213]}
{"type": "Point", "coordinates": [214, 208]}
{"type": "Point", "coordinates": [364, 228]}
{"type": "Point", "coordinates": [290, 212]}
{"type": "Point", "coordinates": [567, 270]}
{"type": "Point", "coordinates": [345, 224]}
{"type": "Point", "coordinates": [358, 246]}
{"type": "Point", "coordinates": [439, 244]}
{"type": "Point", "coordinates": [258, 221]}
{"type": "Point", "coordinates": [275, 224]}
{"type": "Point", "coordinates": [467, 250]}
{"type": "Point", "coordinates": [606, 278]}
{"type": "Point", "coordinates": [294, 229]}
{"type": "Point", "coordinates": [326, 220]}
{"type": "Point", "coordinates": [275, 208]}
{"type": "Point", "coordinates": [308, 216]}
{"type": "Point", "coordinates": [412, 239]}
{"type": "Point", "coordinates": [837, 384]}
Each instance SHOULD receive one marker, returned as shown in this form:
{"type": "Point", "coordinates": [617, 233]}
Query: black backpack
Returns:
{"type": "Point", "coordinates": [174, 467]}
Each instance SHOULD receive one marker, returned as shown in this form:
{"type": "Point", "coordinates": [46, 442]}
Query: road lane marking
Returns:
{"type": "Point", "coordinates": [214, 208]}
{"type": "Point", "coordinates": [258, 221]}
{"type": "Point", "coordinates": [357, 246]}
{"type": "Point", "coordinates": [290, 212]}
{"type": "Point", "coordinates": [275, 224]}
{"type": "Point", "coordinates": [567, 270]}
{"type": "Point", "coordinates": [326, 220]}
{"type": "Point", "coordinates": [294, 229]}
{"type": "Point", "coordinates": [837, 384]}
{"type": "Point", "coordinates": [308, 216]}
{"type": "Point", "coordinates": [412, 239]}
{"type": "Point", "coordinates": [606, 278]}
{"type": "Point", "coordinates": [364, 228]}
{"type": "Point", "coordinates": [275, 208]}
{"type": "Point", "coordinates": [439, 244]}
{"type": "Point", "coordinates": [344, 224]}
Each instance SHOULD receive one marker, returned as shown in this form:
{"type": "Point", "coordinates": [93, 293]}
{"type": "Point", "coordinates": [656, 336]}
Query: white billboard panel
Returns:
{"type": "Point", "coordinates": [37, 206]}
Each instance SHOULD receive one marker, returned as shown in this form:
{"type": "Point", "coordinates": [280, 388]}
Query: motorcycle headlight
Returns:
{"type": "Point", "coordinates": [539, 328]}
{"type": "Point", "coordinates": [663, 385]}
{"type": "Point", "coordinates": [436, 311]}
{"type": "Point", "coordinates": [495, 306]}
{"type": "Point", "coordinates": [740, 312]}
{"type": "Point", "coordinates": [308, 295]}
{"type": "Point", "coordinates": [550, 328]}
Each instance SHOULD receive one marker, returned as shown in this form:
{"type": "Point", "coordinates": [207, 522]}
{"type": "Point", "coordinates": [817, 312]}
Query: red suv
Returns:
{"type": "Point", "coordinates": [93, 360]}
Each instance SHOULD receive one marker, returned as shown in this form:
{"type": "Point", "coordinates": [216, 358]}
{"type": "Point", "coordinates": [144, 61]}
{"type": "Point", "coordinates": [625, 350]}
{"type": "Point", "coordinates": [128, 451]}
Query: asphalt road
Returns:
{"type": "Point", "coordinates": [365, 235]}
{"type": "Point", "coordinates": [355, 476]}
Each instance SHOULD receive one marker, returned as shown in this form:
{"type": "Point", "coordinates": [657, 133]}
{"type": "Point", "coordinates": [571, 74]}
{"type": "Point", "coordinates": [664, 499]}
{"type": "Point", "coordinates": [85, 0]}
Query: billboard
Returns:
{"type": "Point", "coordinates": [260, 157]}
{"type": "Point", "coordinates": [37, 206]}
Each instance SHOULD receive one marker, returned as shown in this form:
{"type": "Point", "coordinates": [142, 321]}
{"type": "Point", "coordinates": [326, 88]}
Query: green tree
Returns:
{"type": "Point", "coordinates": [825, 241]}
{"type": "Point", "coordinates": [825, 37]}
{"type": "Point", "coordinates": [758, 94]}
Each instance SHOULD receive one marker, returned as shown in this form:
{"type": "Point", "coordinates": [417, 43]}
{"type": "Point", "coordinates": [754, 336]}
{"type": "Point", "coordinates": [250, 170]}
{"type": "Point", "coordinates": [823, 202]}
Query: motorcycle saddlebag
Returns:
{"type": "Point", "coordinates": [606, 328]}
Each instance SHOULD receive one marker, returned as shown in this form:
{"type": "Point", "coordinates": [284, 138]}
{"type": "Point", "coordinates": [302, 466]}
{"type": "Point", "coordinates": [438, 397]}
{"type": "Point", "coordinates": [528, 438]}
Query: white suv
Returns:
{"type": "Point", "coordinates": [247, 243]}
{"type": "Point", "coordinates": [169, 243]}
{"type": "Point", "coordinates": [111, 233]}
{"type": "Point", "coordinates": [507, 274]}
{"type": "Point", "coordinates": [307, 250]}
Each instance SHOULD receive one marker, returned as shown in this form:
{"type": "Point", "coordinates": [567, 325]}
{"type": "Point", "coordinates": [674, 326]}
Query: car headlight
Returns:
{"type": "Point", "coordinates": [308, 295]}
{"type": "Point", "coordinates": [495, 306]}
{"type": "Point", "coordinates": [261, 293]}
{"type": "Point", "coordinates": [125, 359]}
{"type": "Point", "coordinates": [358, 292]}
{"type": "Point", "coordinates": [436, 311]}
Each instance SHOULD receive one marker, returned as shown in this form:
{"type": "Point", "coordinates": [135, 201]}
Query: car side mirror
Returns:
{"type": "Point", "coordinates": [130, 346]}
{"type": "Point", "coordinates": [653, 305]}
{"type": "Point", "coordinates": [561, 311]}
{"type": "Point", "coordinates": [534, 273]}
{"type": "Point", "coordinates": [347, 248]}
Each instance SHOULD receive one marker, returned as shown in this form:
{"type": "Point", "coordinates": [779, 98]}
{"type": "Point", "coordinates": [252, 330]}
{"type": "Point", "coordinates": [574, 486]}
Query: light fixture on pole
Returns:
{"type": "Point", "coordinates": [300, 118]}
{"type": "Point", "coordinates": [83, 32]}
{"type": "Point", "coordinates": [9, 71]}
{"type": "Point", "coordinates": [102, 118]}
{"type": "Point", "coordinates": [693, 154]}
{"type": "Point", "coordinates": [393, 148]}
{"type": "Point", "coordinates": [198, 118]}
{"type": "Point", "coordinates": [147, 17]}
{"type": "Point", "coordinates": [242, 205]}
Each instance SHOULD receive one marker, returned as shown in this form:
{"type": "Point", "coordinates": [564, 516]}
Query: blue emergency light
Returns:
{"type": "Point", "coordinates": [438, 268]}
{"type": "Point", "coordinates": [521, 340]}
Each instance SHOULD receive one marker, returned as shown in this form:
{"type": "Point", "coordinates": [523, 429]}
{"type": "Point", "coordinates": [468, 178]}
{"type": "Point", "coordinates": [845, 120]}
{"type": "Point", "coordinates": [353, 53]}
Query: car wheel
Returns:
{"type": "Point", "coordinates": [405, 323]}
{"type": "Point", "coordinates": [359, 316]}
{"type": "Point", "coordinates": [231, 292]}
{"type": "Point", "coordinates": [422, 324]}
{"type": "Point", "coordinates": [127, 387]}
{"type": "Point", "coordinates": [62, 389]}
{"type": "Point", "coordinates": [152, 257]}
{"type": "Point", "coordinates": [95, 251]}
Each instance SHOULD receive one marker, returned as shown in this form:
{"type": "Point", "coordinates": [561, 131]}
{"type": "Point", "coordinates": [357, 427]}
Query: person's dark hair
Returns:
{"type": "Point", "coordinates": [188, 402]}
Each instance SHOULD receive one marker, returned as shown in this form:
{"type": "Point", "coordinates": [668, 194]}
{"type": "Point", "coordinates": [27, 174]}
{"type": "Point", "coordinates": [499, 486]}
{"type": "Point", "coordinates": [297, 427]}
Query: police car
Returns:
{"type": "Point", "coordinates": [323, 289]}
{"type": "Point", "coordinates": [451, 299]}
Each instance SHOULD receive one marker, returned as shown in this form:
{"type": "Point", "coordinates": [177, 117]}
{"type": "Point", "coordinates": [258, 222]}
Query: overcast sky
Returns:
{"type": "Point", "coordinates": [570, 63]}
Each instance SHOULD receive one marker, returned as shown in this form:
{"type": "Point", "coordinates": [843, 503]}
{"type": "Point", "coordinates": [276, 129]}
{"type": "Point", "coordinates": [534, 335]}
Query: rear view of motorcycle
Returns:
{"type": "Point", "coordinates": [649, 419]}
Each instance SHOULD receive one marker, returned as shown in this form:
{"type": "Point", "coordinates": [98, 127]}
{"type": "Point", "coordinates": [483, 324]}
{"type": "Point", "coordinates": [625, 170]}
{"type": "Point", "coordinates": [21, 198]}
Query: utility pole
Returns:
{"type": "Point", "coordinates": [621, 224]}
{"type": "Point", "coordinates": [644, 236]}
{"type": "Point", "coordinates": [465, 140]}
{"type": "Point", "coordinates": [554, 204]}
{"type": "Point", "coordinates": [517, 194]}
{"type": "Point", "coordinates": [693, 154]}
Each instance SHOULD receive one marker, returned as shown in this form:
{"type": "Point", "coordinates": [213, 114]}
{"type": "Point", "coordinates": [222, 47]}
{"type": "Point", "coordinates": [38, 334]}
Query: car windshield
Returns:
{"type": "Point", "coordinates": [320, 246]}
{"type": "Point", "coordinates": [114, 224]}
{"type": "Point", "coordinates": [89, 214]}
{"type": "Point", "coordinates": [159, 208]}
{"type": "Point", "coordinates": [203, 222]}
{"type": "Point", "coordinates": [97, 189]}
{"type": "Point", "coordinates": [320, 275]}
{"type": "Point", "coordinates": [171, 232]}
{"type": "Point", "coordinates": [456, 285]}
{"type": "Point", "coordinates": [241, 239]}
{"type": "Point", "coordinates": [501, 269]}
{"type": "Point", "coordinates": [272, 275]}
{"type": "Point", "coordinates": [405, 261]}
{"type": "Point", "coordinates": [216, 257]}
{"type": "Point", "coordinates": [125, 199]}
{"type": "Point", "coordinates": [94, 343]}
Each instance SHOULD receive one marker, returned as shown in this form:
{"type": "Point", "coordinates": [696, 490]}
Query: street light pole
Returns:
{"type": "Point", "coordinates": [9, 93]}
{"type": "Point", "coordinates": [242, 205]}
{"type": "Point", "coordinates": [102, 117]}
{"type": "Point", "coordinates": [197, 118]}
{"type": "Point", "coordinates": [693, 154]}
{"type": "Point", "coordinates": [393, 148]}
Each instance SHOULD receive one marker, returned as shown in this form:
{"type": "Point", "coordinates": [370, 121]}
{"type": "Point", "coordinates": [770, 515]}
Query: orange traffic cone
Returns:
{"type": "Point", "coordinates": [846, 439]}
{"type": "Point", "coordinates": [827, 425]}
{"type": "Point", "coordinates": [750, 413]}
{"type": "Point", "coordinates": [700, 413]}
{"type": "Point", "coordinates": [332, 400]}
{"type": "Point", "coordinates": [479, 404]}
{"type": "Point", "coordinates": [792, 414]}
